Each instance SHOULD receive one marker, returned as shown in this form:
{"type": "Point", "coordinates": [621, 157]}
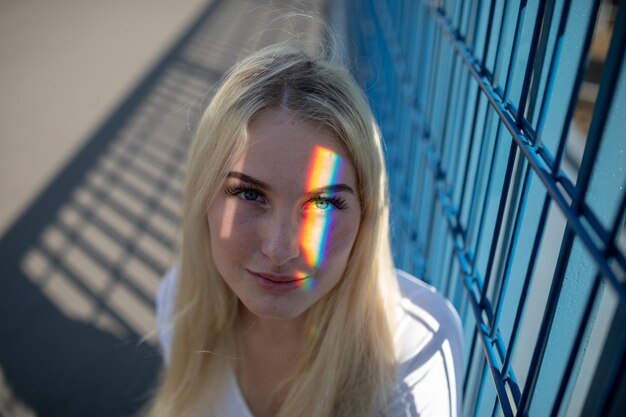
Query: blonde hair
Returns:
{"type": "Point", "coordinates": [349, 363]}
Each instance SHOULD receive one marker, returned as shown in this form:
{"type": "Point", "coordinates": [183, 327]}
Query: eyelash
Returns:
{"type": "Point", "coordinates": [240, 189]}
{"type": "Point", "coordinates": [337, 202]}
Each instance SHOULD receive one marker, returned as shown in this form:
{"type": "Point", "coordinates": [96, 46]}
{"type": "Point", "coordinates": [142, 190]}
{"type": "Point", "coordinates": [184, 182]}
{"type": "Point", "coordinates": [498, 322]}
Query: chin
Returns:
{"type": "Point", "coordinates": [273, 312]}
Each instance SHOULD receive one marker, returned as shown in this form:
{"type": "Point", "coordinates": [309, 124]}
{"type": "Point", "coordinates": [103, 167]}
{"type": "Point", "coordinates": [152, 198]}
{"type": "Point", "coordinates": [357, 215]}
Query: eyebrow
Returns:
{"type": "Point", "coordinates": [334, 188]}
{"type": "Point", "coordinates": [248, 179]}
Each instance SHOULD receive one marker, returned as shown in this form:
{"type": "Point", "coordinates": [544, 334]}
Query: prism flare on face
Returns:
{"type": "Point", "coordinates": [323, 171]}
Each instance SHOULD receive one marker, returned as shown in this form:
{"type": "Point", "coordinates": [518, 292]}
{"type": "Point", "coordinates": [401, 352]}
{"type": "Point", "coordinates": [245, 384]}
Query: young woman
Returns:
{"type": "Point", "coordinates": [286, 302]}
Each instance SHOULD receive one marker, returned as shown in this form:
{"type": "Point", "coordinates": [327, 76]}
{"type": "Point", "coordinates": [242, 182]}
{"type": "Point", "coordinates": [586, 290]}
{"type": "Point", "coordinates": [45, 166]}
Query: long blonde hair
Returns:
{"type": "Point", "coordinates": [349, 363]}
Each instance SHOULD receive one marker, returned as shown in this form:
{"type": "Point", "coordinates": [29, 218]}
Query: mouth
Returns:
{"type": "Point", "coordinates": [279, 279]}
{"type": "Point", "coordinates": [281, 283]}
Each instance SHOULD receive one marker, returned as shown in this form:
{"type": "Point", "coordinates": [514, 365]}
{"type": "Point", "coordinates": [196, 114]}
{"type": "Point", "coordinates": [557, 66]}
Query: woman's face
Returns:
{"type": "Point", "coordinates": [284, 222]}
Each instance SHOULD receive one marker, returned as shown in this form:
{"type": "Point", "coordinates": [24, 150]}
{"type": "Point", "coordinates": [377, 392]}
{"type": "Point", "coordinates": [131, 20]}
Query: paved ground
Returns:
{"type": "Point", "coordinates": [64, 67]}
{"type": "Point", "coordinates": [82, 261]}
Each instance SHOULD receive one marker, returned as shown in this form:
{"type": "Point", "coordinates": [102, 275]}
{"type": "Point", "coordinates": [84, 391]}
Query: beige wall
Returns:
{"type": "Point", "coordinates": [64, 66]}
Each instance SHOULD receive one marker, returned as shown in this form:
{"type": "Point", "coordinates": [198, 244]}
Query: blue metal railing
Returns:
{"type": "Point", "coordinates": [501, 197]}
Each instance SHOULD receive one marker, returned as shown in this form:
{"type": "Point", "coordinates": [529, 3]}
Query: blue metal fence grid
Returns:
{"type": "Point", "coordinates": [476, 101]}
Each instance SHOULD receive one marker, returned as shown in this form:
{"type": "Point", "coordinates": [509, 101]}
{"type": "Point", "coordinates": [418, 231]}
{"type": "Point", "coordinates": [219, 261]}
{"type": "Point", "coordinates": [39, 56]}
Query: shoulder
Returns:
{"type": "Point", "coordinates": [424, 314]}
{"type": "Point", "coordinates": [429, 346]}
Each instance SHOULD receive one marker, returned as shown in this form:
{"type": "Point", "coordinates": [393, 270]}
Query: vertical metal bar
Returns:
{"type": "Point", "coordinates": [458, 13]}
{"type": "Point", "coordinates": [608, 381]}
{"type": "Point", "coordinates": [432, 75]}
{"type": "Point", "coordinates": [580, 75]}
{"type": "Point", "coordinates": [605, 391]}
{"type": "Point", "coordinates": [511, 249]}
{"type": "Point", "coordinates": [464, 28]}
{"type": "Point", "coordinates": [541, 54]}
{"type": "Point", "coordinates": [478, 199]}
{"type": "Point", "coordinates": [506, 366]}
{"type": "Point", "coordinates": [466, 380]}
{"type": "Point", "coordinates": [419, 56]}
{"type": "Point", "coordinates": [514, 49]}
{"type": "Point", "coordinates": [453, 142]}
{"type": "Point", "coordinates": [414, 62]}
{"type": "Point", "coordinates": [498, 62]}
{"type": "Point", "coordinates": [481, 385]}
{"type": "Point", "coordinates": [499, 217]}
{"type": "Point", "coordinates": [472, 136]}
{"type": "Point", "coordinates": [483, 63]}
{"type": "Point", "coordinates": [582, 329]}
{"type": "Point", "coordinates": [546, 323]}
{"type": "Point", "coordinates": [459, 133]}
{"type": "Point", "coordinates": [435, 58]}
{"type": "Point", "coordinates": [610, 408]}
{"type": "Point", "coordinates": [451, 93]}
{"type": "Point", "coordinates": [618, 225]}
{"type": "Point", "coordinates": [610, 76]}
{"type": "Point", "coordinates": [476, 20]}
{"type": "Point", "coordinates": [521, 108]}
{"type": "Point", "coordinates": [552, 72]}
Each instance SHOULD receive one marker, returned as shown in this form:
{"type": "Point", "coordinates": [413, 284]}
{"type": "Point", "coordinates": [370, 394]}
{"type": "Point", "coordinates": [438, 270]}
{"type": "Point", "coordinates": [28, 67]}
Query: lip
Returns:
{"type": "Point", "coordinates": [278, 283]}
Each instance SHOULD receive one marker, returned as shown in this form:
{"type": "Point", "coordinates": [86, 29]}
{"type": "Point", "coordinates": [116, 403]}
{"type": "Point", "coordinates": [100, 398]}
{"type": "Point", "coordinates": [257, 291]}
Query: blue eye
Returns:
{"type": "Point", "coordinates": [250, 195]}
{"type": "Point", "coordinates": [328, 202]}
{"type": "Point", "coordinates": [322, 204]}
{"type": "Point", "coordinates": [246, 193]}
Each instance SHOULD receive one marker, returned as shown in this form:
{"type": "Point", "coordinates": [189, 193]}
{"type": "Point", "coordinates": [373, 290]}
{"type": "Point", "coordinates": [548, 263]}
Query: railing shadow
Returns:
{"type": "Point", "coordinates": [81, 266]}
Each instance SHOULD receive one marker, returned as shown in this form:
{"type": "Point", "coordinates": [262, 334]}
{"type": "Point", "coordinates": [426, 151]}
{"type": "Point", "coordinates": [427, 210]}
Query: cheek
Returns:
{"type": "Point", "coordinates": [233, 229]}
{"type": "Point", "coordinates": [222, 218]}
{"type": "Point", "coordinates": [339, 241]}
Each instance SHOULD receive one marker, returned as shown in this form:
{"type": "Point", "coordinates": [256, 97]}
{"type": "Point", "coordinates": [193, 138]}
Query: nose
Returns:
{"type": "Point", "coordinates": [281, 241]}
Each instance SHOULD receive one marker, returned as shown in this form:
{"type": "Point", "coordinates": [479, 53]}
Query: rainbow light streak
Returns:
{"type": "Point", "coordinates": [308, 284]}
{"type": "Point", "coordinates": [323, 171]}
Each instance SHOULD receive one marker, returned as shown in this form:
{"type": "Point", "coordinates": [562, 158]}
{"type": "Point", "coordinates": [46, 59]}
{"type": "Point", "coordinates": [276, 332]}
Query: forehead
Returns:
{"type": "Point", "coordinates": [283, 149]}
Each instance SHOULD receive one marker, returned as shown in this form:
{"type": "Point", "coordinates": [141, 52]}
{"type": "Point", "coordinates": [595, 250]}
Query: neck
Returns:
{"type": "Point", "coordinates": [268, 352]}
{"type": "Point", "coordinates": [265, 335]}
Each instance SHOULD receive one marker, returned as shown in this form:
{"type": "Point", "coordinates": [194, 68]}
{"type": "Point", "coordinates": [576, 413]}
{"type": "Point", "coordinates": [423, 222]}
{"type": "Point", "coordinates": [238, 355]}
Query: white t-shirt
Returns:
{"type": "Point", "coordinates": [429, 349]}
